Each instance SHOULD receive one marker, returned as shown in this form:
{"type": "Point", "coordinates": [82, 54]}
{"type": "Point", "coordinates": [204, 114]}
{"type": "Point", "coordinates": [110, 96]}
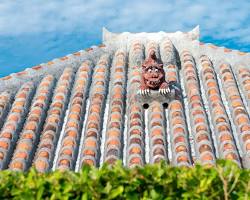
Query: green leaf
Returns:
{"type": "Point", "coordinates": [39, 193]}
{"type": "Point", "coordinates": [84, 196]}
{"type": "Point", "coordinates": [116, 192]}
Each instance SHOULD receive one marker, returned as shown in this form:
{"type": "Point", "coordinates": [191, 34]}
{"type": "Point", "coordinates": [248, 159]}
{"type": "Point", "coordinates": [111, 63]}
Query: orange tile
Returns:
{"type": "Point", "coordinates": [77, 54]}
{"type": "Point", "coordinates": [28, 136]}
{"type": "Point", "coordinates": [206, 157]}
{"type": "Point", "coordinates": [67, 151]}
{"type": "Point", "coordinates": [182, 159]}
{"type": "Point", "coordinates": [11, 126]}
{"type": "Point", "coordinates": [21, 155]}
{"type": "Point", "coordinates": [136, 132]}
{"type": "Point", "coordinates": [23, 145]}
{"type": "Point", "coordinates": [117, 124]}
{"type": "Point", "coordinates": [180, 138]}
{"type": "Point", "coordinates": [6, 78]}
{"type": "Point", "coordinates": [246, 137]}
{"type": "Point", "coordinates": [236, 104]}
{"type": "Point", "coordinates": [50, 63]}
{"type": "Point", "coordinates": [40, 164]}
{"type": "Point", "coordinates": [64, 162]}
{"type": "Point", "coordinates": [89, 49]}
{"type": "Point", "coordinates": [181, 148]}
{"type": "Point", "coordinates": [248, 146]}
{"type": "Point", "coordinates": [37, 67]}
{"type": "Point", "coordinates": [89, 152]}
{"type": "Point", "coordinates": [201, 127]}
{"type": "Point", "coordinates": [116, 109]}
{"type": "Point", "coordinates": [135, 160]}
{"type": "Point", "coordinates": [176, 121]}
{"type": "Point", "coordinates": [88, 162]}
{"type": "Point", "coordinates": [68, 142]}
{"type": "Point", "coordinates": [43, 154]}
{"type": "Point", "coordinates": [202, 137]}
{"type": "Point", "coordinates": [245, 127]}
{"type": "Point", "coordinates": [242, 119]}
{"type": "Point", "coordinates": [17, 165]}
{"type": "Point", "coordinates": [113, 142]}
{"type": "Point", "coordinates": [64, 58]}
{"type": "Point", "coordinates": [135, 150]}
{"type": "Point", "coordinates": [90, 143]}
{"type": "Point", "coordinates": [13, 117]}
{"type": "Point", "coordinates": [158, 141]}
{"type": "Point", "coordinates": [4, 145]}
{"type": "Point", "coordinates": [2, 155]}
{"type": "Point", "coordinates": [17, 110]}
{"type": "Point", "coordinates": [31, 126]}
{"type": "Point", "coordinates": [22, 73]}
{"type": "Point", "coordinates": [231, 156]}
{"type": "Point", "coordinates": [6, 134]}
{"type": "Point", "coordinates": [72, 124]}
{"type": "Point", "coordinates": [228, 146]}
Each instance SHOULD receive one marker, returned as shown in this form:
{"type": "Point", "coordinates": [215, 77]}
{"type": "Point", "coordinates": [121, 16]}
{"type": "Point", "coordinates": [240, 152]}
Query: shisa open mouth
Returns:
{"type": "Point", "coordinates": [154, 83]}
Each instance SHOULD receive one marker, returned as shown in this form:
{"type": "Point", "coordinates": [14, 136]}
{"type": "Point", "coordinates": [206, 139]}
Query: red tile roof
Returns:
{"type": "Point", "coordinates": [83, 108]}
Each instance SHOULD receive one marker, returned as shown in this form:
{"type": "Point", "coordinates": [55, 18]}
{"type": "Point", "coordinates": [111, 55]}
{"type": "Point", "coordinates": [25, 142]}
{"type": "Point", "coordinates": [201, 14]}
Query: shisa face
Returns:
{"type": "Point", "coordinates": [153, 76]}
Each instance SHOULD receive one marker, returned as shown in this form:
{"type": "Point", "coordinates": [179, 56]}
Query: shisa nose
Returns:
{"type": "Point", "coordinates": [155, 75]}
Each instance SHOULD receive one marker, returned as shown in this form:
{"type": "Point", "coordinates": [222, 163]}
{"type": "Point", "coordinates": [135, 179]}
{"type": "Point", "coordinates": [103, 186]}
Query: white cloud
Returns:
{"type": "Point", "coordinates": [222, 19]}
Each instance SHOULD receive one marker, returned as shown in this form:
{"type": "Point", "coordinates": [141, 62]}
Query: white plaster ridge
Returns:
{"type": "Point", "coordinates": [123, 39]}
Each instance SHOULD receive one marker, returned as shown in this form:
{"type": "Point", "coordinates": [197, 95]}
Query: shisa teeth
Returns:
{"type": "Point", "coordinates": [154, 82]}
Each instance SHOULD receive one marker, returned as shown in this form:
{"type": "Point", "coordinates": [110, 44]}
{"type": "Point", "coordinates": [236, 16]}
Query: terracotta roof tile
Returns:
{"type": "Point", "coordinates": [96, 110]}
{"type": "Point", "coordinates": [53, 122]}
{"type": "Point", "coordinates": [220, 120]}
{"type": "Point", "coordinates": [134, 109]}
{"type": "Point", "coordinates": [204, 147]}
{"type": "Point", "coordinates": [237, 109]}
{"type": "Point", "coordinates": [74, 122]}
{"type": "Point", "coordinates": [7, 142]}
{"type": "Point", "coordinates": [115, 119]}
{"type": "Point", "coordinates": [32, 125]}
{"type": "Point", "coordinates": [156, 122]}
{"type": "Point", "coordinates": [6, 99]}
{"type": "Point", "coordinates": [86, 109]}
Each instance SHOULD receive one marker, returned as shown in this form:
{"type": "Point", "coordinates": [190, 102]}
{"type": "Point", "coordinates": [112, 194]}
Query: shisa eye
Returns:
{"type": "Point", "coordinates": [156, 70]}
{"type": "Point", "coordinates": [150, 70]}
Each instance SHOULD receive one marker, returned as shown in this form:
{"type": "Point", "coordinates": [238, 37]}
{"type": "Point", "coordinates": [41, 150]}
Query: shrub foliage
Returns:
{"type": "Point", "coordinates": [159, 181]}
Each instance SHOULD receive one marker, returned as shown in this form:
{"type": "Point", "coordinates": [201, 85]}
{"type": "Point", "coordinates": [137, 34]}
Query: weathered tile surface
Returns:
{"type": "Point", "coordinates": [83, 109]}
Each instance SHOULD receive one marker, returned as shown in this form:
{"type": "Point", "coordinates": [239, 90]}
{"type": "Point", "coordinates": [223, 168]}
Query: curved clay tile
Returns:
{"type": "Point", "coordinates": [115, 120]}
{"type": "Point", "coordinates": [72, 124]}
{"type": "Point", "coordinates": [72, 133]}
{"type": "Point", "coordinates": [244, 80]}
{"type": "Point", "coordinates": [90, 154]}
{"type": "Point", "coordinates": [135, 112]}
{"type": "Point", "coordinates": [156, 122]}
{"type": "Point", "coordinates": [29, 136]}
{"type": "Point", "coordinates": [238, 111]}
{"type": "Point", "coordinates": [157, 132]}
{"type": "Point", "coordinates": [224, 136]}
{"type": "Point", "coordinates": [176, 116]}
{"type": "Point", "coordinates": [199, 123]}
{"type": "Point", "coordinates": [6, 99]}
{"type": "Point", "coordinates": [14, 123]}
{"type": "Point", "coordinates": [53, 123]}
{"type": "Point", "coordinates": [178, 134]}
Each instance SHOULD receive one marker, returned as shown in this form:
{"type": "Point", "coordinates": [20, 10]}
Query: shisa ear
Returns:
{"type": "Point", "coordinates": [152, 55]}
{"type": "Point", "coordinates": [161, 65]}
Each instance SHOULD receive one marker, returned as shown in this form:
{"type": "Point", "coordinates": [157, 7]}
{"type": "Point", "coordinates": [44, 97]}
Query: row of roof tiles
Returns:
{"type": "Point", "coordinates": [45, 135]}
{"type": "Point", "coordinates": [53, 124]}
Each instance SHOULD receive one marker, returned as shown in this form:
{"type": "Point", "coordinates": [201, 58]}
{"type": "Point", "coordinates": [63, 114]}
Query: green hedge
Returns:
{"type": "Point", "coordinates": [225, 181]}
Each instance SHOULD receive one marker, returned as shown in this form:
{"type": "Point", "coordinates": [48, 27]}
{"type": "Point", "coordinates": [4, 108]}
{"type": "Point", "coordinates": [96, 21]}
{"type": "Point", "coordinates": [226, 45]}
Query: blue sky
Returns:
{"type": "Point", "coordinates": [36, 31]}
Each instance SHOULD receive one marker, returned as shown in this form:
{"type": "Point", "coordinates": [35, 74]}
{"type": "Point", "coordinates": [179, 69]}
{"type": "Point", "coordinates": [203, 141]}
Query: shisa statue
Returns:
{"type": "Point", "coordinates": [153, 76]}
